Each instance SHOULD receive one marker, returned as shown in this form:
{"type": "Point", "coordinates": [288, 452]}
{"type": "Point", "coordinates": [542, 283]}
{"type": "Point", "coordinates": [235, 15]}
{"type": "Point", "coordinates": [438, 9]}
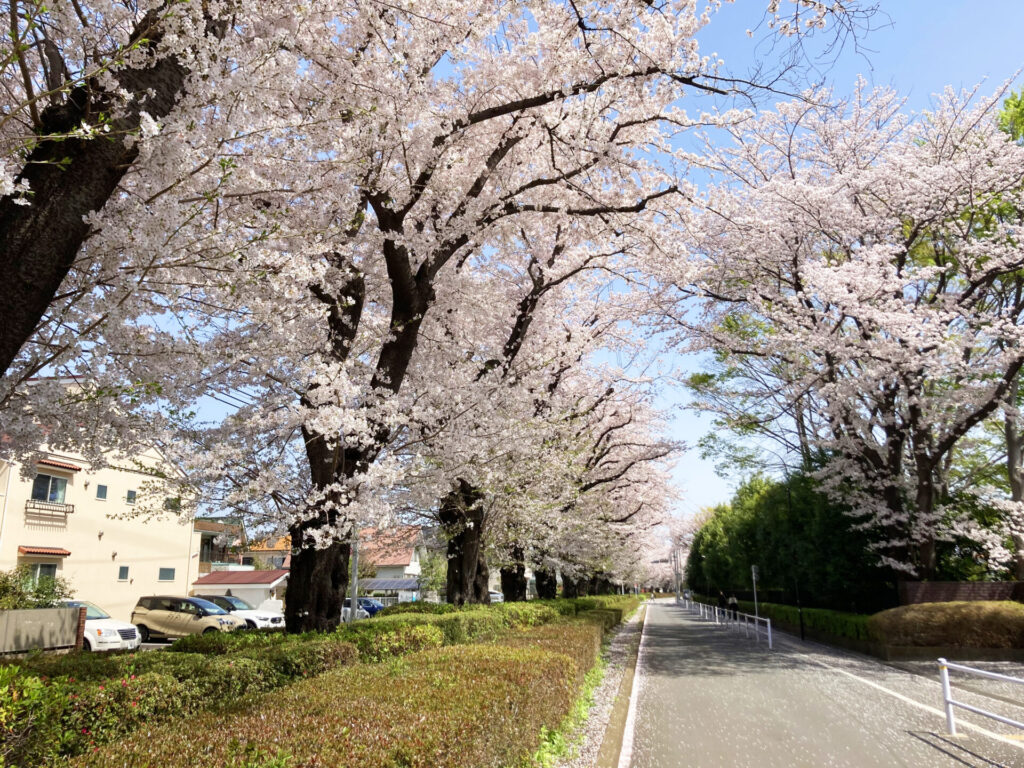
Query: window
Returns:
{"type": "Point", "coordinates": [173, 504]}
{"type": "Point", "coordinates": [122, 573]}
{"type": "Point", "coordinates": [101, 492]}
{"type": "Point", "coordinates": [130, 497]}
{"type": "Point", "coordinates": [166, 574]}
{"type": "Point", "coordinates": [43, 570]}
{"type": "Point", "coordinates": [49, 488]}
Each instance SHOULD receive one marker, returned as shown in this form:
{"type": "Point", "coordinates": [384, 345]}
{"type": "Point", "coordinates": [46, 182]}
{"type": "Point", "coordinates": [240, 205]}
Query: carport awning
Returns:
{"type": "Point", "coordinates": [45, 551]}
{"type": "Point", "coordinates": [411, 585]}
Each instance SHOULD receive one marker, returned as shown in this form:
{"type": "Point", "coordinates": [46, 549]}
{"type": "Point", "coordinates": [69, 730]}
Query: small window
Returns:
{"type": "Point", "coordinates": [122, 573]}
{"type": "Point", "coordinates": [43, 571]}
{"type": "Point", "coordinates": [173, 504]}
{"type": "Point", "coordinates": [166, 574]}
{"type": "Point", "coordinates": [49, 488]}
{"type": "Point", "coordinates": [130, 497]}
{"type": "Point", "coordinates": [101, 492]}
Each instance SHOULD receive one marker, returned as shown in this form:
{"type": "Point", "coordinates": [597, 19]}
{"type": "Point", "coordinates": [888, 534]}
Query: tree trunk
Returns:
{"type": "Point", "coordinates": [317, 581]}
{"type": "Point", "coordinates": [513, 577]}
{"type": "Point", "coordinates": [70, 178]}
{"type": "Point", "coordinates": [547, 583]}
{"type": "Point", "coordinates": [461, 516]}
{"type": "Point", "coordinates": [1015, 472]}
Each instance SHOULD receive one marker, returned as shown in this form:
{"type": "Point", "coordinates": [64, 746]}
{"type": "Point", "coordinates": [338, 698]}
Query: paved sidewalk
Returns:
{"type": "Point", "coordinates": [710, 697]}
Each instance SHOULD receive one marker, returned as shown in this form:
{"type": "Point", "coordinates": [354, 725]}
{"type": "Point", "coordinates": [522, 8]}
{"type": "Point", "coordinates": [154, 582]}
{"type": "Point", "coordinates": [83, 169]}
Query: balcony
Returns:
{"type": "Point", "coordinates": [36, 508]}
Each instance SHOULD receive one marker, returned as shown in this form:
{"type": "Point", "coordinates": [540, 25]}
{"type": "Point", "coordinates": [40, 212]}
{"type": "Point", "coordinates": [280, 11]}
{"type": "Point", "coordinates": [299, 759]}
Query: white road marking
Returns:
{"type": "Point", "coordinates": [626, 753]}
{"type": "Point", "coordinates": [918, 704]}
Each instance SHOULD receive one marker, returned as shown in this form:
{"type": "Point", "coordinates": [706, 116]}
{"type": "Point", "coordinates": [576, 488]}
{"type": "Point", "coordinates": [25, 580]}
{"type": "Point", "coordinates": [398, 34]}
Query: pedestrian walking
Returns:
{"type": "Point", "coordinates": [721, 601]}
{"type": "Point", "coordinates": [734, 606]}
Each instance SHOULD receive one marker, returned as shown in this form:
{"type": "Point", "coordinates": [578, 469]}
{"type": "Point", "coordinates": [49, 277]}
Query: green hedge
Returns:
{"type": "Point", "coordinates": [959, 624]}
{"type": "Point", "coordinates": [475, 705]}
{"type": "Point", "coordinates": [448, 707]}
{"type": "Point", "coordinates": [838, 623]}
{"type": "Point", "coordinates": [65, 705]}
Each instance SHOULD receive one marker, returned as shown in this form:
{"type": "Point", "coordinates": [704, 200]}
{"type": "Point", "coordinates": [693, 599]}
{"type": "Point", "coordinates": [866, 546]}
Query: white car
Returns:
{"type": "Point", "coordinates": [255, 618]}
{"type": "Point", "coordinates": [497, 597]}
{"type": "Point", "coordinates": [361, 613]}
{"type": "Point", "coordinates": [103, 633]}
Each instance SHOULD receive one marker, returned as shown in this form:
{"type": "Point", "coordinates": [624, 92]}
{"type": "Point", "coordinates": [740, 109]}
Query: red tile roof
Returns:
{"type": "Point", "coordinates": [392, 546]}
{"type": "Point", "coordinates": [53, 551]}
{"type": "Point", "coordinates": [60, 464]}
{"type": "Point", "coordinates": [240, 577]}
{"type": "Point", "coordinates": [214, 526]}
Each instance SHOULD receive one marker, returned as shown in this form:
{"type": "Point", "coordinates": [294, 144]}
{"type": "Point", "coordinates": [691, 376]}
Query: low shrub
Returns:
{"type": "Point", "coordinates": [980, 624]}
{"type": "Point", "coordinates": [418, 607]}
{"type": "Point", "coordinates": [79, 701]}
{"type": "Point", "coordinates": [580, 640]}
{"type": "Point", "coordinates": [397, 641]}
{"type": "Point", "coordinates": [530, 614]}
{"type": "Point", "coordinates": [479, 705]}
{"type": "Point", "coordinates": [228, 642]}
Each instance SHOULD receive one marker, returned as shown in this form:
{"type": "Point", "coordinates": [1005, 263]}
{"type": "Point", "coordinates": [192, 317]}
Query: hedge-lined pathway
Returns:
{"type": "Point", "coordinates": [709, 697]}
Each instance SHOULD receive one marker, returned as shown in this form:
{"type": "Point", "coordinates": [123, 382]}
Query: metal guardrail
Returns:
{"type": "Point", "coordinates": [731, 619]}
{"type": "Point", "coordinates": [950, 702]}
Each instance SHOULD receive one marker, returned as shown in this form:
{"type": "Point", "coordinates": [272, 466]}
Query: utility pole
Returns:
{"type": "Point", "coordinates": [353, 604]}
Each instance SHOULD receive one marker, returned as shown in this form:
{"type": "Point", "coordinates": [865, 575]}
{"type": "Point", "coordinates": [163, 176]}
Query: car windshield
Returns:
{"type": "Point", "coordinates": [206, 605]}
{"type": "Point", "coordinates": [91, 611]}
{"type": "Point", "coordinates": [237, 604]}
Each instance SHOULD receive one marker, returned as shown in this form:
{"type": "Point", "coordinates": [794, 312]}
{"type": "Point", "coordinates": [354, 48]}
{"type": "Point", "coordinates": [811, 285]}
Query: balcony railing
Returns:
{"type": "Point", "coordinates": [37, 507]}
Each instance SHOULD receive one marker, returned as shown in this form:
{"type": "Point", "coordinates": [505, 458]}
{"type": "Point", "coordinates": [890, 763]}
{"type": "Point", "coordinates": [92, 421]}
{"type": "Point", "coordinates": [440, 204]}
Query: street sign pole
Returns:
{"type": "Point", "coordinates": [753, 577]}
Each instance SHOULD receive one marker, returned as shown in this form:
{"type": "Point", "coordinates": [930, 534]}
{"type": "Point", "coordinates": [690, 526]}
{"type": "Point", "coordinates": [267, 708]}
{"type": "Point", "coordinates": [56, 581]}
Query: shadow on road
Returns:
{"type": "Point", "coordinates": [956, 751]}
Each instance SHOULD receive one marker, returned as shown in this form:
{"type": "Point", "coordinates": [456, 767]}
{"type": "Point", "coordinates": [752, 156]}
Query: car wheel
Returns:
{"type": "Point", "coordinates": [250, 624]}
{"type": "Point", "coordinates": [86, 645]}
{"type": "Point", "coordinates": [144, 633]}
{"type": "Point", "coordinates": [208, 630]}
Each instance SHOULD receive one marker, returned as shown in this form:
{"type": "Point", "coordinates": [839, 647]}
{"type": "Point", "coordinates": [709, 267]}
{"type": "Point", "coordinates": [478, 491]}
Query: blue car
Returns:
{"type": "Point", "coordinates": [371, 606]}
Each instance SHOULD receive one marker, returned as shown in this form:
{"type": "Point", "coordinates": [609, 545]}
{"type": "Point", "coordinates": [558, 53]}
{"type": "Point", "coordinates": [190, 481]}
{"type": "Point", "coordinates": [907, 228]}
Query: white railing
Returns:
{"type": "Point", "coordinates": [731, 619]}
{"type": "Point", "coordinates": [947, 695]}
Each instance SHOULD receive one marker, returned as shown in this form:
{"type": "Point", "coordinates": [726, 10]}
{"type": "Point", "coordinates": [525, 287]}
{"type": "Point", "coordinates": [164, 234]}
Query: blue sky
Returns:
{"type": "Point", "coordinates": [919, 47]}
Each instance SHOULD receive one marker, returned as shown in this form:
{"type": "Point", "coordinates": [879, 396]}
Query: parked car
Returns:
{"type": "Point", "coordinates": [255, 618]}
{"type": "Point", "coordinates": [360, 612]}
{"type": "Point", "coordinates": [168, 616]}
{"type": "Point", "coordinates": [103, 633]}
{"type": "Point", "coordinates": [371, 606]}
{"type": "Point", "coordinates": [497, 597]}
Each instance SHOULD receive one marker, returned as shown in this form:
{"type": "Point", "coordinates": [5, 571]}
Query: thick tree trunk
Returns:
{"type": "Point", "coordinates": [70, 178]}
{"type": "Point", "coordinates": [513, 577]}
{"type": "Point", "coordinates": [1015, 472]}
{"type": "Point", "coordinates": [547, 583]}
{"type": "Point", "coordinates": [461, 516]}
{"type": "Point", "coordinates": [568, 587]}
{"type": "Point", "coordinates": [317, 581]}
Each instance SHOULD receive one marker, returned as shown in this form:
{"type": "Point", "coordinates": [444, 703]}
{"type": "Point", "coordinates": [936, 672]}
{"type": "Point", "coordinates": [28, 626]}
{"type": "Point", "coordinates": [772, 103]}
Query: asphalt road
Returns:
{"type": "Point", "coordinates": [709, 697]}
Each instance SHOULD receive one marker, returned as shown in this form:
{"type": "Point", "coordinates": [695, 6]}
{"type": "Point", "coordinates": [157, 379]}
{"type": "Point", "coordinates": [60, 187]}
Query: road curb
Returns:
{"type": "Point", "coordinates": [611, 745]}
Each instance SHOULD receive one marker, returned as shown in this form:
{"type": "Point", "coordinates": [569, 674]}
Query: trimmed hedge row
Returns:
{"type": "Point", "coordinates": [958, 624]}
{"type": "Point", "coordinates": [477, 705]}
{"type": "Point", "coordinates": [65, 705]}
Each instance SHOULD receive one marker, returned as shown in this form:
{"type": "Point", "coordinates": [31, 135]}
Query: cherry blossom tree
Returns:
{"type": "Point", "coordinates": [325, 196]}
{"type": "Point", "coordinates": [866, 266]}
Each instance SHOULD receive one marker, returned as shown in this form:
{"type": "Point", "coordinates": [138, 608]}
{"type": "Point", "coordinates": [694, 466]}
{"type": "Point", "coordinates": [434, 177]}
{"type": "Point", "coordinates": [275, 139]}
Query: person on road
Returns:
{"type": "Point", "coordinates": [721, 600]}
{"type": "Point", "coordinates": [734, 606]}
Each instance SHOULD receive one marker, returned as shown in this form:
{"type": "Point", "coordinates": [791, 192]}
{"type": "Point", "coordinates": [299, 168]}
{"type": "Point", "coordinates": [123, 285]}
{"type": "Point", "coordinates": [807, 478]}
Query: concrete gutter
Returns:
{"type": "Point", "coordinates": [611, 745]}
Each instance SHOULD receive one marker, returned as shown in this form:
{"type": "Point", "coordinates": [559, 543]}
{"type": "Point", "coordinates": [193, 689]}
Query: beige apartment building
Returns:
{"type": "Point", "coordinates": [66, 519]}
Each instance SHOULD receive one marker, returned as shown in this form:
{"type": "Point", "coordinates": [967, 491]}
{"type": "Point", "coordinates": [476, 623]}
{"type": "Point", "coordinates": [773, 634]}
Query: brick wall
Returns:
{"type": "Point", "coordinates": [944, 591]}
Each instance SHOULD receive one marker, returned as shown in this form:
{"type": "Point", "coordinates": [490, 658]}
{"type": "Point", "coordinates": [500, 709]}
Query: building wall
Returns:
{"type": "Point", "coordinates": [100, 544]}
